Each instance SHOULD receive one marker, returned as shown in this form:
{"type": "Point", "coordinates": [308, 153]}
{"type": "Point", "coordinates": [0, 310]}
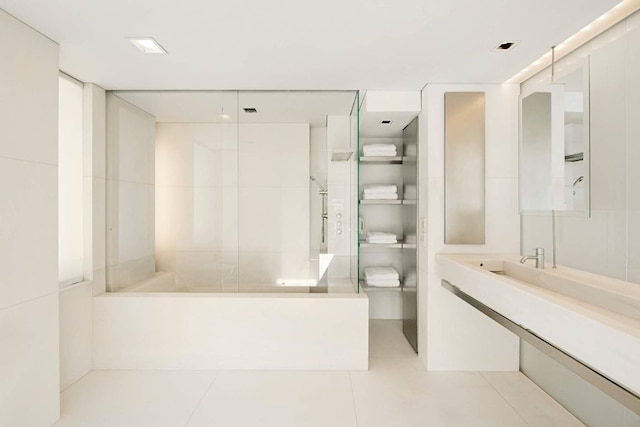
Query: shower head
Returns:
{"type": "Point", "coordinates": [313, 178]}
{"type": "Point", "coordinates": [580, 179]}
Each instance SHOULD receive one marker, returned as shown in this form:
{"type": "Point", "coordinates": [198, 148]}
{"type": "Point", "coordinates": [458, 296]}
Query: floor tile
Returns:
{"type": "Point", "coordinates": [533, 404]}
{"type": "Point", "coordinates": [133, 398]}
{"type": "Point", "coordinates": [277, 398]}
{"type": "Point", "coordinates": [386, 340]}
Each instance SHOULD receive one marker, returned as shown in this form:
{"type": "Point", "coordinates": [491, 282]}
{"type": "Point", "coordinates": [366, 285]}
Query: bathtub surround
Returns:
{"type": "Point", "coordinates": [231, 331]}
{"type": "Point", "coordinates": [29, 347]}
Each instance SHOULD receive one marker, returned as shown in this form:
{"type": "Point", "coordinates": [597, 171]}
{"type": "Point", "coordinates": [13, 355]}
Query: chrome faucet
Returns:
{"type": "Point", "coordinates": [539, 257]}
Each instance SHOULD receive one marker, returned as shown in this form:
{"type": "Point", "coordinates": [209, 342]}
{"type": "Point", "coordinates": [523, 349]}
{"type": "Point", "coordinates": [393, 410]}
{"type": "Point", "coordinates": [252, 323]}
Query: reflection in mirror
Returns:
{"type": "Point", "coordinates": [554, 146]}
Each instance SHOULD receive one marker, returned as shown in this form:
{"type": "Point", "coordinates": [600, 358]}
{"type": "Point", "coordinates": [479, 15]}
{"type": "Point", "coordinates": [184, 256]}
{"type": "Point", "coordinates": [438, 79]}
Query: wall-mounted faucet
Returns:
{"type": "Point", "coordinates": [324, 214]}
{"type": "Point", "coordinates": [539, 257]}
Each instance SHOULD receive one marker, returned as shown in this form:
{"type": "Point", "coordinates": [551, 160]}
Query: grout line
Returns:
{"type": "Point", "coordinates": [215, 377]}
{"type": "Point", "coordinates": [353, 399]}
{"type": "Point", "coordinates": [57, 291]}
{"type": "Point", "coordinates": [36, 162]}
{"type": "Point", "coordinates": [504, 398]}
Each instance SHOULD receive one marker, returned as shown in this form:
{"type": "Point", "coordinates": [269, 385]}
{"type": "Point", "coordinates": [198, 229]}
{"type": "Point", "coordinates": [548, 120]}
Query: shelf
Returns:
{"type": "Point", "coordinates": [386, 160]}
{"type": "Point", "coordinates": [399, 245]}
{"type": "Point", "coordinates": [365, 244]}
{"type": "Point", "coordinates": [379, 289]}
{"type": "Point", "coordinates": [575, 157]}
{"type": "Point", "coordinates": [381, 160]}
{"type": "Point", "coordinates": [380, 202]}
{"type": "Point", "coordinates": [409, 202]}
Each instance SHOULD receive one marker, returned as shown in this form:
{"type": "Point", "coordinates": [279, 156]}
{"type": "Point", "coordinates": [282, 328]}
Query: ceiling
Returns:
{"type": "Point", "coordinates": [227, 107]}
{"type": "Point", "coordinates": [297, 44]}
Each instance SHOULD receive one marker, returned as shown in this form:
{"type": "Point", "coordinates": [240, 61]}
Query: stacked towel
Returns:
{"type": "Point", "coordinates": [383, 150]}
{"type": "Point", "coordinates": [384, 277]}
{"type": "Point", "coordinates": [380, 192]}
{"type": "Point", "coordinates": [410, 150]}
{"type": "Point", "coordinates": [410, 192]}
{"type": "Point", "coordinates": [382, 238]}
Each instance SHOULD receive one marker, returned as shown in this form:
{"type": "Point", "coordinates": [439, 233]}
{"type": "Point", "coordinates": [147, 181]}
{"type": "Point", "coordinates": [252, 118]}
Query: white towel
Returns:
{"type": "Point", "coordinates": [381, 273]}
{"type": "Point", "coordinates": [370, 189]}
{"type": "Point", "coordinates": [381, 196]}
{"type": "Point", "coordinates": [380, 154]}
{"type": "Point", "coordinates": [378, 147]}
{"type": "Point", "coordinates": [381, 237]}
{"type": "Point", "coordinates": [383, 283]}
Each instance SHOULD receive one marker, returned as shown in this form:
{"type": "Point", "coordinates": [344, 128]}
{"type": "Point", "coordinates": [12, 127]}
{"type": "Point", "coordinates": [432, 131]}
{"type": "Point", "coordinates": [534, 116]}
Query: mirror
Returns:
{"type": "Point", "coordinates": [554, 145]}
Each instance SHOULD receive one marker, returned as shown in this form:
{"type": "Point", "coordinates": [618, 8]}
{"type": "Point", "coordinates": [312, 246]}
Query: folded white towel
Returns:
{"type": "Point", "coordinates": [381, 273]}
{"type": "Point", "coordinates": [381, 242]}
{"type": "Point", "coordinates": [385, 240]}
{"type": "Point", "coordinates": [383, 283]}
{"type": "Point", "coordinates": [381, 196]}
{"type": "Point", "coordinates": [380, 154]}
{"type": "Point", "coordinates": [381, 237]}
{"type": "Point", "coordinates": [378, 147]}
{"type": "Point", "coordinates": [380, 189]}
{"type": "Point", "coordinates": [380, 234]}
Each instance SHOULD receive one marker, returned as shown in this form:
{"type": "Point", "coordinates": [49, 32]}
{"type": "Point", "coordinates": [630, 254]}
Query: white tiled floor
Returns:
{"type": "Point", "coordinates": [396, 391]}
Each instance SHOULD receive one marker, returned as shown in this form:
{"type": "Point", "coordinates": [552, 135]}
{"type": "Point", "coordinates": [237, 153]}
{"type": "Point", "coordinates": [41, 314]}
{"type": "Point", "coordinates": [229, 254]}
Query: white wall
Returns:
{"type": "Point", "coordinates": [130, 191]}
{"type": "Point", "coordinates": [453, 335]}
{"type": "Point", "coordinates": [607, 242]}
{"type": "Point", "coordinates": [29, 367]}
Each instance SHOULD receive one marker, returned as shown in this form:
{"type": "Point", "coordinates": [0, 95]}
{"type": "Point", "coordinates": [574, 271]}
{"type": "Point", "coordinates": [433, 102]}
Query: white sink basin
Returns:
{"type": "Point", "coordinates": [612, 295]}
{"type": "Point", "coordinates": [593, 318]}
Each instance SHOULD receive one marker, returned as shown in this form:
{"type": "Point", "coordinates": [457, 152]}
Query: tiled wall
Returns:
{"type": "Point", "coordinates": [607, 242]}
{"type": "Point", "coordinates": [29, 367]}
{"type": "Point", "coordinates": [232, 211]}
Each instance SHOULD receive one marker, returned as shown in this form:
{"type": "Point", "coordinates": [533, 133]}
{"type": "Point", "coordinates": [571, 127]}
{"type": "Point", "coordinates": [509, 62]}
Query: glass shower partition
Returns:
{"type": "Point", "coordinates": [232, 191]}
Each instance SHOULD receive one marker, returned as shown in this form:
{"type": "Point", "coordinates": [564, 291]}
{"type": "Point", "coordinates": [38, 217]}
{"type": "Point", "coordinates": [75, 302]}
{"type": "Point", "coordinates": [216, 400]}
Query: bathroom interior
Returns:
{"type": "Point", "coordinates": [456, 254]}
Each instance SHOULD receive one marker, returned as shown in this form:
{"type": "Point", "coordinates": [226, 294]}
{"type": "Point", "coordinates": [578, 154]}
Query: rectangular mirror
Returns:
{"type": "Point", "coordinates": [554, 145]}
{"type": "Point", "coordinates": [464, 173]}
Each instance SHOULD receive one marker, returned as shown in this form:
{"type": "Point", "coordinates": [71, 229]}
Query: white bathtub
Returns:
{"type": "Point", "coordinates": [166, 329]}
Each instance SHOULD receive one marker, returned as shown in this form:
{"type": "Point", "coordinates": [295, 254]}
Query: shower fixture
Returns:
{"type": "Point", "coordinates": [324, 214]}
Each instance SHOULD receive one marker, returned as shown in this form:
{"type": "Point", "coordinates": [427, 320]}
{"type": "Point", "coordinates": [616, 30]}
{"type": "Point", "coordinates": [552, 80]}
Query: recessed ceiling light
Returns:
{"type": "Point", "coordinates": [250, 110]}
{"type": "Point", "coordinates": [147, 44]}
{"type": "Point", "coordinates": [506, 45]}
{"type": "Point", "coordinates": [386, 122]}
{"type": "Point", "coordinates": [225, 116]}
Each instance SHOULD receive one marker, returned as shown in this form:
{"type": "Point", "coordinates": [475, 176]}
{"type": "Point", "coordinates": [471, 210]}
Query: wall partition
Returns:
{"type": "Point", "coordinates": [230, 191]}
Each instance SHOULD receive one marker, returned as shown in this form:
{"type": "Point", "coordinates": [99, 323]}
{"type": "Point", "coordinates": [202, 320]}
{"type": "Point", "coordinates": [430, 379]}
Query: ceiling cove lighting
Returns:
{"type": "Point", "coordinates": [147, 45]}
{"type": "Point", "coordinates": [619, 12]}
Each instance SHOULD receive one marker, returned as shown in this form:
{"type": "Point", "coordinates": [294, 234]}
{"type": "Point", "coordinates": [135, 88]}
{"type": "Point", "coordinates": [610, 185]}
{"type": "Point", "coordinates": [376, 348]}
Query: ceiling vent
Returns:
{"type": "Point", "coordinates": [386, 122]}
{"type": "Point", "coordinates": [507, 45]}
{"type": "Point", "coordinates": [250, 110]}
